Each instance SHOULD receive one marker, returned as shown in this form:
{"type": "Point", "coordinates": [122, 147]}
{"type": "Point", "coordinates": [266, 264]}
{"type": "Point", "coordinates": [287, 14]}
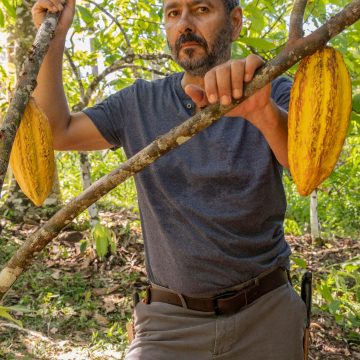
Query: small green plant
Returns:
{"type": "Point", "coordinates": [104, 240]}
{"type": "Point", "coordinates": [340, 294]}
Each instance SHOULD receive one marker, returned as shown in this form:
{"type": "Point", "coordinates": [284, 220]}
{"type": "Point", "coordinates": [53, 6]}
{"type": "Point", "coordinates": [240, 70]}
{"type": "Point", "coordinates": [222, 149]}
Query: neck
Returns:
{"type": "Point", "coordinates": [192, 80]}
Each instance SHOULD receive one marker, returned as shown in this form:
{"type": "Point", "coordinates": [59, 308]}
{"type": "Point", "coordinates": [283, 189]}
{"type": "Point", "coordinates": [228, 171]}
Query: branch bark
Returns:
{"type": "Point", "coordinates": [297, 20]}
{"type": "Point", "coordinates": [25, 86]}
{"type": "Point", "coordinates": [175, 137]}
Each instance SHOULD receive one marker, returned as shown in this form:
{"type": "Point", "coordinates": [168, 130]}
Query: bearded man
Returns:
{"type": "Point", "coordinates": [212, 210]}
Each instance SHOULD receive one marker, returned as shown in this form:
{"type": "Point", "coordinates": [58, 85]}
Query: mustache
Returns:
{"type": "Point", "coordinates": [189, 37]}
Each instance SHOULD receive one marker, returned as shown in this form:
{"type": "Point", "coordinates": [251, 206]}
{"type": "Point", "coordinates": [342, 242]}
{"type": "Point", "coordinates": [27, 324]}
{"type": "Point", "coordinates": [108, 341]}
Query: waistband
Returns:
{"type": "Point", "coordinates": [225, 303]}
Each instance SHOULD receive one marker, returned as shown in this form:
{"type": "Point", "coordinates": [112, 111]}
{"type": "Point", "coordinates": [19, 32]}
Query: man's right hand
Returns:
{"type": "Point", "coordinates": [67, 9]}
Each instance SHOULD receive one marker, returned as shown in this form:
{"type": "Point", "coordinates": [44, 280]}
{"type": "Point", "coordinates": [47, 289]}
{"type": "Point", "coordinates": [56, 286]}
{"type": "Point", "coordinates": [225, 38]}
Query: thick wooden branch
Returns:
{"type": "Point", "coordinates": [25, 86]}
{"type": "Point", "coordinates": [163, 144]}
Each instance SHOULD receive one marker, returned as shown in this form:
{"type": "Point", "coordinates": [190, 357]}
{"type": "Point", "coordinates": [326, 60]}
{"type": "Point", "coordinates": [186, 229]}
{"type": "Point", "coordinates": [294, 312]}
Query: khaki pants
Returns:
{"type": "Point", "coordinates": [271, 328]}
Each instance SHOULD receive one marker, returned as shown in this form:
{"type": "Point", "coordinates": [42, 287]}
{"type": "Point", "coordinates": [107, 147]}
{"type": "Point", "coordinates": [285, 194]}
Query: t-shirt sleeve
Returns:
{"type": "Point", "coordinates": [280, 91]}
{"type": "Point", "coordinates": [109, 116]}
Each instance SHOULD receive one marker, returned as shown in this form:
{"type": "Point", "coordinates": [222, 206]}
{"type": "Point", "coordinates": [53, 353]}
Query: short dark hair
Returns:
{"type": "Point", "coordinates": [230, 4]}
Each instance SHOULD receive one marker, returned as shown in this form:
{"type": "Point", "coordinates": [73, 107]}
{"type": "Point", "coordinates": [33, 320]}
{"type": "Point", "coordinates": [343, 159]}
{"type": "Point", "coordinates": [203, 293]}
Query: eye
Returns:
{"type": "Point", "coordinates": [173, 13]}
{"type": "Point", "coordinates": [202, 9]}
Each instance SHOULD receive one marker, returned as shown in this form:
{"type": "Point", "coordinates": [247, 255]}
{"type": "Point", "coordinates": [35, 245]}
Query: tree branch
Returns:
{"type": "Point", "coordinates": [76, 72]}
{"type": "Point", "coordinates": [116, 22]}
{"type": "Point", "coordinates": [119, 64]}
{"type": "Point", "coordinates": [25, 86]}
{"type": "Point", "coordinates": [163, 144]}
{"type": "Point", "coordinates": [146, 21]}
{"type": "Point", "coordinates": [296, 21]}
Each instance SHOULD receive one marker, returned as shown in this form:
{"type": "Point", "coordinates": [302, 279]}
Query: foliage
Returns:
{"type": "Point", "coordinates": [4, 313]}
{"type": "Point", "coordinates": [104, 240]}
{"type": "Point", "coordinates": [339, 294]}
{"type": "Point", "coordinates": [336, 290]}
{"type": "Point", "coordinates": [108, 31]}
{"type": "Point", "coordinates": [102, 162]}
{"type": "Point", "coordinates": [97, 40]}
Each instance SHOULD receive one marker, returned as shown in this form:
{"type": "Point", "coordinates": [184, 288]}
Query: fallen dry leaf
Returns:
{"type": "Point", "coordinates": [101, 320]}
{"type": "Point", "coordinates": [106, 291]}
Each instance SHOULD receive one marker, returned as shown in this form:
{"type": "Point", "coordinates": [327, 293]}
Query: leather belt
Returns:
{"type": "Point", "coordinates": [225, 303]}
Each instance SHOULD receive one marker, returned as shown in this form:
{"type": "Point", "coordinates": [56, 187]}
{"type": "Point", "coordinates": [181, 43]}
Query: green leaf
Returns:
{"type": "Point", "coordinates": [102, 237]}
{"type": "Point", "coordinates": [19, 308]}
{"type": "Point", "coordinates": [326, 293]}
{"type": "Point", "coordinates": [9, 8]}
{"type": "Point", "coordinates": [102, 244]}
{"type": "Point", "coordinates": [4, 313]}
{"type": "Point", "coordinates": [299, 262]}
{"type": "Point", "coordinates": [258, 43]}
{"type": "Point", "coordinates": [334, 306]}
{"type": "Point", "coordinates": [85, 14]}
{"type": "Point", "coordinates": [83, 246]}
{"type": "Point", "coordinates": [356, 103]}
{"type": "Point", "coordinates": [2, 18]}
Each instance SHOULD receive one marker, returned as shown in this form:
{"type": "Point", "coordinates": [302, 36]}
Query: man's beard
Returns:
{"type": "Point", "coordinates": [217, 53]}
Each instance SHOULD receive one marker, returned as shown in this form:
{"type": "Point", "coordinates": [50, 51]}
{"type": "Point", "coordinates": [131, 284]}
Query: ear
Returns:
{"type": "Point", "coordinates": [236, 22]}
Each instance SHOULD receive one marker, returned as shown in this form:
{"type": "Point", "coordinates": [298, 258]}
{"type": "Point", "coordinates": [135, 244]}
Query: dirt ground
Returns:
{"type": "Point", "coordinates": [75, 307]}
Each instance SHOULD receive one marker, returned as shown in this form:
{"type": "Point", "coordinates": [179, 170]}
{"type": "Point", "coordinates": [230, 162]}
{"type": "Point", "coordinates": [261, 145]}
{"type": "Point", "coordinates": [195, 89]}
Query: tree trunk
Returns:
{"type": "Point", "coordinates": [86, 178]}
{"type": "Point", "coordinates": [16, 202]}
{"type": "Point", "coordinates": [314, 220]}
{"type": "Point", "coordinates": [85, 163]}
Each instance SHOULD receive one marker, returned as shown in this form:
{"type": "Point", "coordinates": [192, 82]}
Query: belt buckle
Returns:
{"type": "Point", "coordinates": [224, 295]}
{"type": "Point", "coordinates": [234, 293]}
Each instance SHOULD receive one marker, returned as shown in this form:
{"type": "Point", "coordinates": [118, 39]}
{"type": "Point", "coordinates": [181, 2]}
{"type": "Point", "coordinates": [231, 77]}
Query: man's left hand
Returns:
{"type": "Point", "coordinates": [225, 82]}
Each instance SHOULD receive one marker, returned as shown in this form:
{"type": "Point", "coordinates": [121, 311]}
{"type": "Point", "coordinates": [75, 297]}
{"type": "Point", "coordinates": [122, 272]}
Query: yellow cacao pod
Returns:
{"type": "Point", "coordinates": [319, 115]}
{"type": "Point", "coordinates": [32, 156]}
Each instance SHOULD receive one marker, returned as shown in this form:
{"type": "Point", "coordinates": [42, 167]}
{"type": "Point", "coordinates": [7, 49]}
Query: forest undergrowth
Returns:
{"type": "Point", "coordinates": [70, 305]}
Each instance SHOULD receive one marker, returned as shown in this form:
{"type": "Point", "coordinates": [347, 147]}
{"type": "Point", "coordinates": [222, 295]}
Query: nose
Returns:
{"type": "Point", "coordinates": [185, 24]}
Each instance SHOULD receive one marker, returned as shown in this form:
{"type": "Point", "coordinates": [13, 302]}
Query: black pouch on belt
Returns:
{"type": "Point", "coordinates": [130, 328]}
{"type": "Point", "coordinates": [306, 295]}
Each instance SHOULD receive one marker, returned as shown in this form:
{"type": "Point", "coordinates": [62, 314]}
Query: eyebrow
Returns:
{"type": "Point", "coordinates": [175, 4]}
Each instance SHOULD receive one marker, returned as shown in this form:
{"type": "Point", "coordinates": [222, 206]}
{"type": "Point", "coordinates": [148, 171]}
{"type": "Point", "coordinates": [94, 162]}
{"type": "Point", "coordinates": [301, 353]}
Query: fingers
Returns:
{"type": "Point", "coordinates": [41, 7]}
{"type": "Point", "coordinates": [237, 78]}
{"type": "Point", "coordinates": [48, 5]}
{"type": "Point", "coordinates": [225, 81]}
{"type": "Point", "coordinates": [252, 63]}
{"type": "Point", "coordinates": [218, 85]}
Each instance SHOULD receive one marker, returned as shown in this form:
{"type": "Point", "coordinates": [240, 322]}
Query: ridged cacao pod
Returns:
{"type": "Point", "coordinates": [319, 115]}
{"type": "Point", "coordinates": [32, 156]}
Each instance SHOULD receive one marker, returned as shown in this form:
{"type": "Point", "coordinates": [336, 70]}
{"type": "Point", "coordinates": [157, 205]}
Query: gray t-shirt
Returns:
{"type": "Point", "coordinates": [212, 209]}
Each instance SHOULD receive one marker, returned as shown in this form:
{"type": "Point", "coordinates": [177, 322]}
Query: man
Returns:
{"type": "Point", "coordinates": [212, 209]}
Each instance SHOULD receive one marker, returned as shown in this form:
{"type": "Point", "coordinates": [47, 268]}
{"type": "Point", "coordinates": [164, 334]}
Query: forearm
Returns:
{"type": "Point", "coordinates": [272, 122]}
{"type": "Point", "coordinates": [49, 93]}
